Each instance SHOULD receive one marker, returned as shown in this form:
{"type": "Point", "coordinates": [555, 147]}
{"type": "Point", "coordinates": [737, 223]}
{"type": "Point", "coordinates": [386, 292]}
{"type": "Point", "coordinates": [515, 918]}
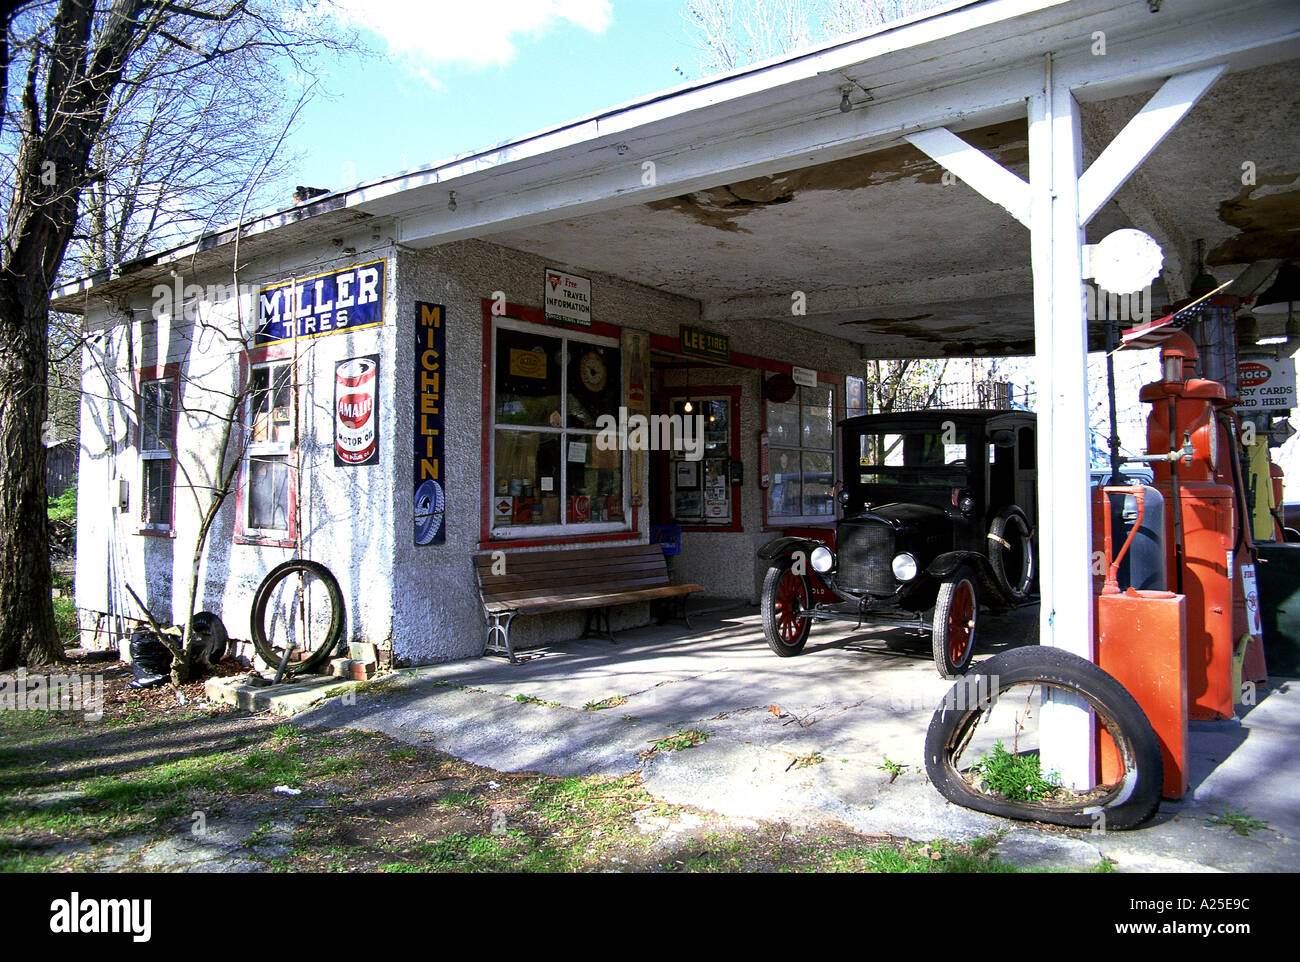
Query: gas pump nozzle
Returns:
{"type": "Point", "coordinates": [1183, 454]}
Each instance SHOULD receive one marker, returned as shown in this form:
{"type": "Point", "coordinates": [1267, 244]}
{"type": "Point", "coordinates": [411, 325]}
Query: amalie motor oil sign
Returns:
{"type": "Point", "coordinates": [340, 300]}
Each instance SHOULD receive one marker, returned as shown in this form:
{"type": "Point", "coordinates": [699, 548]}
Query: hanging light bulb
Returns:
{"type": "Point", "coordinates": [688, 407]}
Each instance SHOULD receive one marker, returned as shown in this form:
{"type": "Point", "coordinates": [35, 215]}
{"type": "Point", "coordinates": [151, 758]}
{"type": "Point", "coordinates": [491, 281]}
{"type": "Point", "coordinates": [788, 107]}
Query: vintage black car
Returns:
{"type": "Point", "coordinates": [938, 516]}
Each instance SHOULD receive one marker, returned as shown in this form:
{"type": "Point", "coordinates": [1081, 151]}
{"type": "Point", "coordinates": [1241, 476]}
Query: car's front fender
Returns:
{"type": "Point", "coordinates": [785, 547]}
{"type": "Point", "coordinates": [991, 591]}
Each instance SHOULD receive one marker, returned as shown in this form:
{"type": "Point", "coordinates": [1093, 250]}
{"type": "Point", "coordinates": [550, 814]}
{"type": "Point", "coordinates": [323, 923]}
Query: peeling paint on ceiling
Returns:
{"type": "Point", "coordinates": [1268, 222]}
{"type": "Point", "coordinates": [721, 207]}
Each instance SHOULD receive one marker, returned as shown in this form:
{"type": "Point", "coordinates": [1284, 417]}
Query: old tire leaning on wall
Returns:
{"type": "Point", "coordinates": [318, 658]}
{"type": "Point", "coordinates": [1125, 804]}
{"type": "Point", "coordinates": [1011, 553]}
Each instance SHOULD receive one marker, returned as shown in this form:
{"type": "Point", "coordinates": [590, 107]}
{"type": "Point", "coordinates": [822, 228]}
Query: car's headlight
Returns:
{"type": "Point", "coordinates": [904, 566]}
{"type": "Point", "coordinates": [822, 559]}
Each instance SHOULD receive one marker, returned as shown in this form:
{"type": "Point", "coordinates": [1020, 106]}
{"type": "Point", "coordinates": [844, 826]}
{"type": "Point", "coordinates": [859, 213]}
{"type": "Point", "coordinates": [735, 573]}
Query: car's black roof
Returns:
{"type": "Point", "coordinates": [912, 420]}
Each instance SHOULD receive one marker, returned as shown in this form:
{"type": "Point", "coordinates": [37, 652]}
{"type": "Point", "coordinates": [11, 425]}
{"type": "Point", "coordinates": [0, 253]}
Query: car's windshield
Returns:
{"type": "Point", "coordinates": [912, 457]}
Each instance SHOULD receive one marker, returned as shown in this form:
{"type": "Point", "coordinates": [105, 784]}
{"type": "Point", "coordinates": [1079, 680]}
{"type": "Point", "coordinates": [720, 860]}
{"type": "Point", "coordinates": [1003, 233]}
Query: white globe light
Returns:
{"type": "Point", "coordinates": [1126, 261]}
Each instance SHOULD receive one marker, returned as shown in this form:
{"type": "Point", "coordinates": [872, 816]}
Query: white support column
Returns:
{"type": "Point", "coordinates": [1060, 335]}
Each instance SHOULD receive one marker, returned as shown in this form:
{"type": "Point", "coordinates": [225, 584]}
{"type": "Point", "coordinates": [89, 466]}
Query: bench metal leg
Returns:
{"type": "Point", "coordinates": [665, 606]}
{"type": "Point", "coordinates": [499, 629]}
{"type": "Point", "coordinates": [601, 616]}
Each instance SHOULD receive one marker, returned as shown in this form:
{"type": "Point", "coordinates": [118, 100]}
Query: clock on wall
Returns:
{"type": "Point", "coordinates": [592, 368]}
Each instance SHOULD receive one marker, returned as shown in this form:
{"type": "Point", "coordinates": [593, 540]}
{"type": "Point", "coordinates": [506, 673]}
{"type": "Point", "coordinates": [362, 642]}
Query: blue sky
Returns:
{"type": "Point", "coordinates": [459, 75]}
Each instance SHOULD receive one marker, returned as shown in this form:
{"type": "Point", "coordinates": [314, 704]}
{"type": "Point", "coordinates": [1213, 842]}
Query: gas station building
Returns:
{"type": "Point", "coordinates": [930, 188]}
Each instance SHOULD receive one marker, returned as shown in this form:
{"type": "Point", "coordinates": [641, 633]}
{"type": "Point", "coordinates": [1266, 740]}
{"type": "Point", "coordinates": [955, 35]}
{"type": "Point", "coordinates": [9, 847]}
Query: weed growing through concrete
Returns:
{"type": "Point", "coordinates": [893, 769]}
{"type": "Point", "coordinates": [678, 741]}
{"type": "Point", "coordinates": [1237, 820]}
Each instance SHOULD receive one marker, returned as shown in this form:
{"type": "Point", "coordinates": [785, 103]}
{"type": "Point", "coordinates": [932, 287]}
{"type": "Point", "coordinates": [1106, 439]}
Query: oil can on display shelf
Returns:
{"type": "Point", "coordinates": [938, 512]}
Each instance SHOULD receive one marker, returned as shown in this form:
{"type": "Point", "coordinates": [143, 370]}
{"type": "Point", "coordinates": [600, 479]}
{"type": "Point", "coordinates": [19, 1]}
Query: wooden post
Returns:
{"type": "Point", "coordinates": [1061, 345]}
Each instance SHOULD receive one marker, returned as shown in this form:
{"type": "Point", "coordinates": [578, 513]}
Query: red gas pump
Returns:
{"type": "Point", "coordinates": [1154, 670]}
{"type": "Point", "coordinates": [1201, 524]}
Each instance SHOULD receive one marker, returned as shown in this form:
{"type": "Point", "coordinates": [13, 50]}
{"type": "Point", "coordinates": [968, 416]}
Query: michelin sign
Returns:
{"type": "Point", "coordinates": [341, 300]}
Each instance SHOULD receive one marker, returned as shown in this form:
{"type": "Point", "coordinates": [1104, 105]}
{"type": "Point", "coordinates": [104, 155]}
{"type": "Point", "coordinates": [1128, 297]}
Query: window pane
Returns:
{"type": "Point", "coordinates": [786, 493]}
{"type": "Point", "coordinates": [595, 481]}
{"type": "Point", "coordinates": [717, 506]}
{"type": "Point", "coordinates": [157, 500]}
{"type": "Point", "coordinates": [818, 416]}
{"type": "Point", "coordinates": [259, 404]}
{"type": "Point", "coordinates": [594, 383]}
{"type": "Point", "coordinates": [783, 423]}
{"type": "Point", "coordinates": [526, 486]}
{"type": "Point", "coordinates": [268, 493]}
{"type": "Point", "coordinates": [156, 420]}
{"type": "Point", "coordinates": [717, 427]}
{"type": "Point", "coordinates": [818, 476]}
{"type": "Point", "coordinates": [528, 376]}
{"type": "Point", "coordinates": [270, 403]}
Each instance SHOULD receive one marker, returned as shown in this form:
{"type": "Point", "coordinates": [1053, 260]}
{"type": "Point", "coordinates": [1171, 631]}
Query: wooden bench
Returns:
{"type": "Point", "coordinates": [582, 579]}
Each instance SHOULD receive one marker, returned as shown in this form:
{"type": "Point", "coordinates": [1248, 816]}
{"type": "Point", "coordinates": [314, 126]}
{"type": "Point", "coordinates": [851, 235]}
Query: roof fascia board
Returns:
{"type": "Point", "coordinates": [830, 136]}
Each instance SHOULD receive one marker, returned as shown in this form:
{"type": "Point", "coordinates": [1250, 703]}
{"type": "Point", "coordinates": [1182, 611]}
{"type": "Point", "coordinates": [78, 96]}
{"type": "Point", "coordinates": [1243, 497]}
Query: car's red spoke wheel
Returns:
{"type": "Point", "coordinates": [961, 622]}
{"type": "Point", "coordinates": [956, 623]}
{"type": "Point", "coordinates": [791, 599]}
{"type": "Point", "coordinates": [785, 596]}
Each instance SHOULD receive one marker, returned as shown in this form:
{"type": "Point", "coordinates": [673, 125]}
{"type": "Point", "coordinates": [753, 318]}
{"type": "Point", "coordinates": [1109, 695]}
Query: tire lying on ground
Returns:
{"type": "Point", "coordinates": [261, 599]}
{"type": "Point", "coordinates": [1125, 804]}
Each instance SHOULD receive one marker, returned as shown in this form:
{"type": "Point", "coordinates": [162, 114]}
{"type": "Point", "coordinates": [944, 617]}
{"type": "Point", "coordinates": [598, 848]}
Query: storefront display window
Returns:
{"type": "Point", "coordinates": [548, 474]}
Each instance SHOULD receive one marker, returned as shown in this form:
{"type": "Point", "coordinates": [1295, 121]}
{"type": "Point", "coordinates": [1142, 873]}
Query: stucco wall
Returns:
{"type": "Point", "coordinates": [345, 514]}
{"type": "Point", "coordinates": [359, 521]}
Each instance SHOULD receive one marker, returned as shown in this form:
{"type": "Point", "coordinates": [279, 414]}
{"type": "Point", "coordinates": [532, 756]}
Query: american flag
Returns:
{"type": "Point", "coordinates": [1157, 332]}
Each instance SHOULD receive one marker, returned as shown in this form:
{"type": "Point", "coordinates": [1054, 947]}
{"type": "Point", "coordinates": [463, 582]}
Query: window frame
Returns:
{"type": "Point", "coordinates": [565, 530]}
{"type": "Point", "coordinates": [776, 522]}
{"type": "Point", "coordinates": [245, 533]}
{"type": "Point", "coordinates": [165, 374]}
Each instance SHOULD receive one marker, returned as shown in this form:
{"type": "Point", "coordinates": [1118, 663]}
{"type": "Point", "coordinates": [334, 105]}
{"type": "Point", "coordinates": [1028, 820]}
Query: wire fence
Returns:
{"type": "Point", "coordinates": [989, 395]}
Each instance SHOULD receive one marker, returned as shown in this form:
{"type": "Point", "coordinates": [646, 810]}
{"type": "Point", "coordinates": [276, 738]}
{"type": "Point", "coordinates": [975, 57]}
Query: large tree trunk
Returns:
{"type": "Point", "coordinates": [27, 632]}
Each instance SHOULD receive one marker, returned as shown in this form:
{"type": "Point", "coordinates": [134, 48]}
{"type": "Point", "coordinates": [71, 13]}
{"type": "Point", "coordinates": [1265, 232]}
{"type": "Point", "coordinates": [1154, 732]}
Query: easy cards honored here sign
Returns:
{"type": "Point", "coordinates": [567, 298]}
{"type": "Point", "coordinates": [1267, 384]}
{"type": "Point", "coordinates": [346, 299]}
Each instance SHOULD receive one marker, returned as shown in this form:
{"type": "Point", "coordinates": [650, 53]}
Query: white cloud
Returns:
{"type": "Point", "coordinates": [434, 34]}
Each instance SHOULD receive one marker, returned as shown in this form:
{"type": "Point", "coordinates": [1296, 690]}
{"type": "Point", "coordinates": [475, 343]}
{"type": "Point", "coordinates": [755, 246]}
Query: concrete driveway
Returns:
{"type": "Point", "coordinates": [806, 739]}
